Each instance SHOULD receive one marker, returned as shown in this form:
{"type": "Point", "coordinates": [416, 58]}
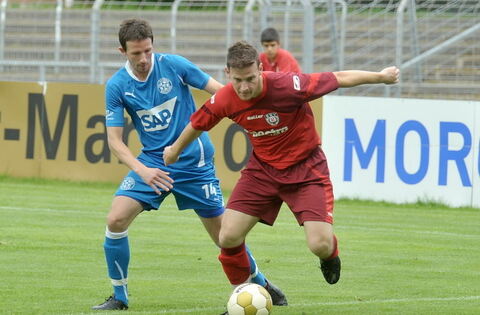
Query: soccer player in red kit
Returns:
{"type": "Point", "coordinates": [274, 58]}
{"type": "Point", "coordinates": [287, 163]}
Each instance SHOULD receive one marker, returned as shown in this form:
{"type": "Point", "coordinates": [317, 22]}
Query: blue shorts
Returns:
{"type": "Point", "coordinates": [197, 189]}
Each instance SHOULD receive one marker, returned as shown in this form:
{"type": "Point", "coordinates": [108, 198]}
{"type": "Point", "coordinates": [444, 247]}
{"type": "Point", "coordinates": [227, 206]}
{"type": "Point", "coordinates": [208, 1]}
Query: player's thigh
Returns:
{"type": "Point", "coordinates": [123, 212]}
{"type": "Point", "coordinates": [235, 227]}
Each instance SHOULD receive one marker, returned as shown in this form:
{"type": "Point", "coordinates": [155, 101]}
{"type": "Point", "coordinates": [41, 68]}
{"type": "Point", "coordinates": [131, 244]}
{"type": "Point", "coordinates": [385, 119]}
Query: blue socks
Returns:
{"type": "Point", "coordinates": [117, 255]}
{"type": "Point", "coordinates": [257, 275]}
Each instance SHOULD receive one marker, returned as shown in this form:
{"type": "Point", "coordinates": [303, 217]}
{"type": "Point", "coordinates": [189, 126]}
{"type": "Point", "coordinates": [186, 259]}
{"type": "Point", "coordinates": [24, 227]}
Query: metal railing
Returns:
{"type": "Point", "coordinates": [441, 38]}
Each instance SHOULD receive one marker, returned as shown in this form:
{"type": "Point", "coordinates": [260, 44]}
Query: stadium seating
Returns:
{"type": "Point", "coordinates": [201, 36]}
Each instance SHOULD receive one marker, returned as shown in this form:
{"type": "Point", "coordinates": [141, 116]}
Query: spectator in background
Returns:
{"type": "Point", "coordinates": [273, 57]}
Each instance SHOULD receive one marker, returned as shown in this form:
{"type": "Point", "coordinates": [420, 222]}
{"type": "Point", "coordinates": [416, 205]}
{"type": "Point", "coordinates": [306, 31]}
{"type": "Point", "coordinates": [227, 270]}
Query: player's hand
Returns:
{"type": "Point", "coordinates": [157, 179]}
{"type": "Point", "coordinates": [169, 155]}
{"type": "Point", "coordinates": [391, 75]}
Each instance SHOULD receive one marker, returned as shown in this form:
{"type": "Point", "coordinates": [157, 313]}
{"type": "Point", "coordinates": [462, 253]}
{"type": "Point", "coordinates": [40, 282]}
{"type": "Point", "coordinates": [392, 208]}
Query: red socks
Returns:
{"type": "Point", "coordinates": [235, 264]}
{"type": "Point", "coordinates": [335, 249]}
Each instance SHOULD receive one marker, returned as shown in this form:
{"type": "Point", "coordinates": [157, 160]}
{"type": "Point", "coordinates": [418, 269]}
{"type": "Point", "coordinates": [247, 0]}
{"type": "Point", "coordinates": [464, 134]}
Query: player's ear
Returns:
{"type": "Point", "coordinates": [122, 51]}
{"type": "Point", "coordinates": [260, 66]}
{"type": "Point", "coordinates": [227, 71]}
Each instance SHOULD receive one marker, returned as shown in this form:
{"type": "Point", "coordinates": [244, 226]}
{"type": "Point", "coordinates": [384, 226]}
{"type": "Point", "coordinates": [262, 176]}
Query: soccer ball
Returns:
{"type": "Point", "coordinates": [249, 299]}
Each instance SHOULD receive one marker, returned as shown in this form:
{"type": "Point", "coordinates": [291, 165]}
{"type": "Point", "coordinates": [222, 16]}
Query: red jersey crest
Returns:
{"type": "Point", "coordinates": [272, 119]}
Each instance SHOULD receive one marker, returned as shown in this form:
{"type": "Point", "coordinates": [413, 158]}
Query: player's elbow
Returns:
{"type": "Point", "coordinates": [344, 79]}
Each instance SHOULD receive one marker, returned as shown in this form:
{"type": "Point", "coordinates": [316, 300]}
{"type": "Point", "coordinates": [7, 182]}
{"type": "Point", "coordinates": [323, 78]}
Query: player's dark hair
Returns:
{"type": "Point", "coordinates": [133, 30]}
{"type": "Point", "coordinates": [269, 35]}
{"type": "Point", "coordinates": [241, 55]}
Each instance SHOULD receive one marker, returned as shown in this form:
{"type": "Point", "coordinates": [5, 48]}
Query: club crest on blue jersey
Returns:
{"type": "Point", "coordinates": [128, 183]}
{"type": "Point", "coordinates": [158, 117]}
{"type": "Point", "coordinates": [272, 119]}
{"type": "Point", "coordinates": [164, 85]}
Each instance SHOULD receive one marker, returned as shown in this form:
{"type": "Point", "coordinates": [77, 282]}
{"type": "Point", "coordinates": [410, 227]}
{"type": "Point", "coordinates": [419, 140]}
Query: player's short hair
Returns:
{"type": "Point", "coordinates": [133, 30]}
{"type": "Point", "coordinates": [269, 35]}
{"type": "Point", "coordinates": [241, 55]}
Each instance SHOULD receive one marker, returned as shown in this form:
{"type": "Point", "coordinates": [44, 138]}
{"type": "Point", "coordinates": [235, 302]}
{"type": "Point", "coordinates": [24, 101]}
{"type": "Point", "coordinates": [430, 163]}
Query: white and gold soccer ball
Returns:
{"type": "Point", "coordinates": [249, 299]}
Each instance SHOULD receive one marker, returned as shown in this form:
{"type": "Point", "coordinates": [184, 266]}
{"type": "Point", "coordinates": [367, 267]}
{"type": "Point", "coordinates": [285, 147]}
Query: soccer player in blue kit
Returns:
{"type": "Point", "coordinates": [154, 90]}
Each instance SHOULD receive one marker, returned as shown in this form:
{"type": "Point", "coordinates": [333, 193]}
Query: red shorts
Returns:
{"type": "Point", "coordinates": [305, 187]}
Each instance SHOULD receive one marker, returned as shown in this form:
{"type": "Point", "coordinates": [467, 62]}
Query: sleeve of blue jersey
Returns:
{"type": "Point", "coordinates": [114, 107]}
{"type": "Point", "coordinates": [190, 73]}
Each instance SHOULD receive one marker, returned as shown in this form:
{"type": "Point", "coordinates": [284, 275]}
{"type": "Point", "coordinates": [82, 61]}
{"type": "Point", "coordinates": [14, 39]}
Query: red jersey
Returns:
{"type": "Point", "coordinates": [284, 62]}
{"type": "Point", "coordinates": [279, 122]}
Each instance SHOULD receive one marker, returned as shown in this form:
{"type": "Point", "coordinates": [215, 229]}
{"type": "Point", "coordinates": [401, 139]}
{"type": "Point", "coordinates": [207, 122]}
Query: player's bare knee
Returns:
{"type": "Point", "coordinates": [228, 240]}
{"type": "Point", "coordinates": [320, 247]}
{"type": "Point", "coordinates": [116, 223]}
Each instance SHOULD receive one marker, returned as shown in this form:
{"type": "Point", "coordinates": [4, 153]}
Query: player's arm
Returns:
{"type": "Point", "coordinates": [171, 153]}
{"type": "Point", "coordinates": [192, 75]}
{"type": "Point", "coordinates": [351, 78]}
{"type": "Point", "coordinates": [212, 86]}
{"type": "Point", "coordinates": [154, 177]}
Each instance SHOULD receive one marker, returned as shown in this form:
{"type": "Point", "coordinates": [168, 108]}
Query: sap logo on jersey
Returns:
{"type": "Point", "coordinates": [158, 117]}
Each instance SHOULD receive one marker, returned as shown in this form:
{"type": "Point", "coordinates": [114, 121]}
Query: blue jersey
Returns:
{"type": "Point", "coordinates": [160, 107]}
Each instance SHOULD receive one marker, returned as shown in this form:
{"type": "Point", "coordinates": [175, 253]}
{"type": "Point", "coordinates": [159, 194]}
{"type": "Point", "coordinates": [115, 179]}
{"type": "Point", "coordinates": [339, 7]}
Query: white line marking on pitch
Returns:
{"type": "Point", "coordinates": [405, 300]}
{"type": "Point", "coordinates": [177, 217]}
{"type": "Point", "coordinates": [395, 230]}
{"type": "Point", "coordinates": [385, 301]}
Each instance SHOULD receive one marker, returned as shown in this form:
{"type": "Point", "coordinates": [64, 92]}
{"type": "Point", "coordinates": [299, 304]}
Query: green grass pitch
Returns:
{"type": "Point", "coordinates": [397, 259]}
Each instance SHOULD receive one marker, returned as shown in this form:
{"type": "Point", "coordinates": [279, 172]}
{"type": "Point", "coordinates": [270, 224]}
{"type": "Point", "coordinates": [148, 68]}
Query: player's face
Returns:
{"type": "Point", "coordinates": [247, 82]}
{"type": "Point", "coordinates": [270, 49]}
{"type": "Point", "coordinates": [139, 55]}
